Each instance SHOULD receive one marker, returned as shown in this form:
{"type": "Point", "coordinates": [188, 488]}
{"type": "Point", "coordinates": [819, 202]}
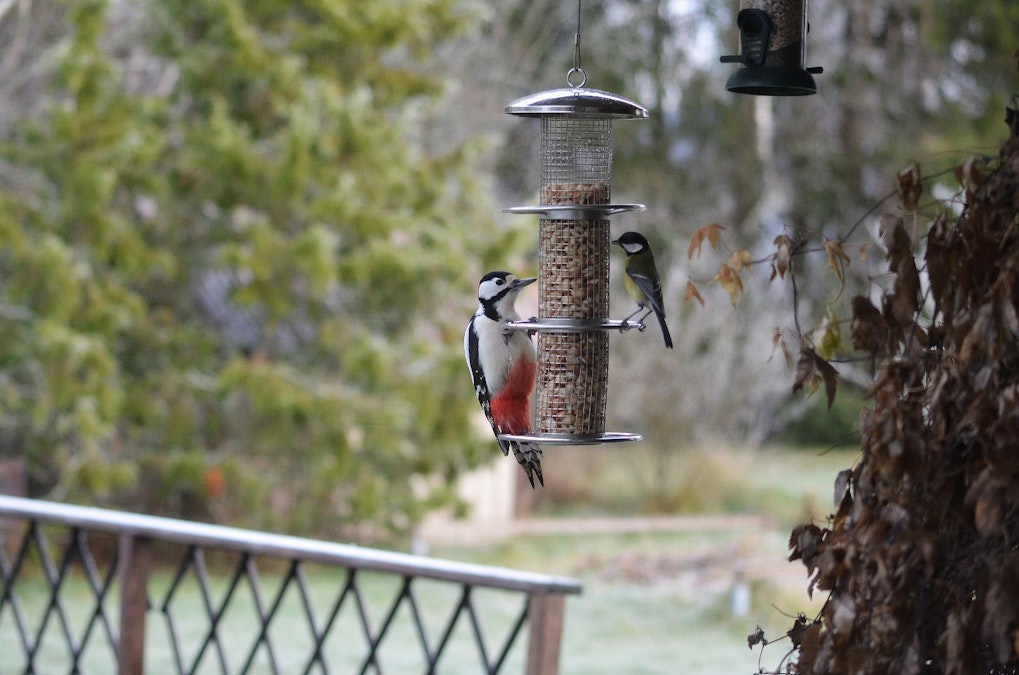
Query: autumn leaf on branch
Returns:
{"type": "Point", "coordinates": [783, 256]}
{"type": "Point", "coordinates": [778, 342]}
{"type": "Point", "coordinates": [837, 259]}
{"type": "Point", "coordinates": [868, 327]}
{"type": "Point", "coordinates": [969, 177]}
{"type": "Point", "coordinates": [906, 292]}
{"type": "Point", "coordinates": [804, 544]}
{"type": "Point", "coordinates": [910, 187]}
{"type": "Point", "coordinates": [811, 371]}
{"type": "Point", "coordinates": [730, 281]}
{"type": "Point", "coordinates": [738, 260]}
{"type": "Point", "coordinates": [939, 259]}
{"type": "Point", "coordinates": [756, 638]}
{"type": "Point", "coordinates": [691, 293]}
{"type": "Point", "coordinates": [710, 233]}
{"type": "Point", "coordinates": [831, 339]}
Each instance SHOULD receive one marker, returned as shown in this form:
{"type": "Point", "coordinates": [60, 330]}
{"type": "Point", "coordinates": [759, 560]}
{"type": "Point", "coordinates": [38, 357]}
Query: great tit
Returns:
{"type": "Point", "coordinates": [642, 282]}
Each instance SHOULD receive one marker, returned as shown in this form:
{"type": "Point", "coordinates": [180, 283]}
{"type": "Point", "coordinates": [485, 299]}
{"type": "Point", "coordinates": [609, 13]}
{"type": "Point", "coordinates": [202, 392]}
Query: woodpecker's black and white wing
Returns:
{"type": "Point", "coordinates": [472, 344]}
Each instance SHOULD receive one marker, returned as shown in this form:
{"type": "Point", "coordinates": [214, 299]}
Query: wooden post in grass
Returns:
{"type": "Point", "coordinates": [135, 554]}
{"type": "Point", "coordinates": [545, 616]}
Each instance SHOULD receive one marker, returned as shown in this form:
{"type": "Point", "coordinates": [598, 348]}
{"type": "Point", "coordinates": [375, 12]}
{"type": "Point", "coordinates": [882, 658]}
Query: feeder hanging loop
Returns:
{"type": "Point", "coordinates": [576, 69]}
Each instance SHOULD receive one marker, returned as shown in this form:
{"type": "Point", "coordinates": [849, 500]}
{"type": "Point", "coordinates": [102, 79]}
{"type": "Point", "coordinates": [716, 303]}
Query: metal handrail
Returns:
{"type": "Point", "coordinates": [543, 607]}
{"type": "Point", "coordinates": [283, 546]}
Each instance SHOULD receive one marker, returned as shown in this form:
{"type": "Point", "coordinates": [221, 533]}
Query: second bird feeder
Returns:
{"type": "Point", "coordinates": [573, 259]}
{"type": "Point", "coordinates": [773, 37]}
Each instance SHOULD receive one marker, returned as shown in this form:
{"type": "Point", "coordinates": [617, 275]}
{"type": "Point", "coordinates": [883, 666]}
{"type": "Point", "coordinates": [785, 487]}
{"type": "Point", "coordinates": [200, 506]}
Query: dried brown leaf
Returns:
{"type": "Point", "coordinates": [804, 544]}
{"type": "Point", "coordinates": [969, 176]}
{"type": "Point", "coordinates": [830, 377]}
{"type": "Point", "coordinates": [738, 260]}
{"type": "Point", "coordinates": [783, 256]}
{"type": "Point", "coordinates": [910, 187]}
{"type": "Point", "coordinates": [691, 293]}
{"type": "Point", "coordinates": [709, 233]}
{"type": "Point", "coordinates": [806, 371]}
{"type": "Point", "coordinates": [868, 326]}
{"type": "Point", "coordinates": [842, 482]}
{"type": "Point", "coordinates": [837, 258]}
{"type": "Point", "coordinates": [988, 496]}
{"type": "Point", "coordinates": [797, 632]}
{"type": "Point", "coordinates": [756, 638]}
{"type": "Point", "coordinates": [811, 371]}
{"type": "Point", "coordinates": [906, 292]}
{"type": "Point", "coordinates": [778, 342]}
{"type": "Point", "coordinates": [728, 279]}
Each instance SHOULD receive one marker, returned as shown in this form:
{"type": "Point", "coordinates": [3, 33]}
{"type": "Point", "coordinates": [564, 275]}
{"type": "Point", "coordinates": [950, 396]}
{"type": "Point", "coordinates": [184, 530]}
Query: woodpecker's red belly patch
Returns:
{"type": "Point", "coordinates": [511, 409]}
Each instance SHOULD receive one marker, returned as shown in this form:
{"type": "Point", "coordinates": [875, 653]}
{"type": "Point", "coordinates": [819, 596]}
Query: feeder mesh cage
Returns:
{"type": "Point", "coordinates": [573, 260]}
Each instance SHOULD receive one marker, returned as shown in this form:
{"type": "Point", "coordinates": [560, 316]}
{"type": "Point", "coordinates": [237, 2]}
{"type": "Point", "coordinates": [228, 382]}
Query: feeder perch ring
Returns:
{"type": "Point", "coordinates": [575, 211]}
{"type": "Point", "coordinates": [571, 325]}
{"type": "Point", "coordinates": [573, 439]}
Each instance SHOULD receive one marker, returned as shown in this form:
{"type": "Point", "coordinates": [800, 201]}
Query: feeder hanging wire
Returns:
{"type": "Point", "coordinates": [577, 69]}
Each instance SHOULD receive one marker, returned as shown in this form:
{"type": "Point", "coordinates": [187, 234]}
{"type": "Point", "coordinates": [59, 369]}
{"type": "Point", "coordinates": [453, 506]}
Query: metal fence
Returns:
{"type": "Point", "coordinates": [85, 588]}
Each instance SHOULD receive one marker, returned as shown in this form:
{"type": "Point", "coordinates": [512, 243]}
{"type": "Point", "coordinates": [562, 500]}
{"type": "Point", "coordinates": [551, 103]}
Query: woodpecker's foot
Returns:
{"type": "Point", "coordinates": [641, 327]}
{"type": "Point", "coordinates": [625, 326]}
{"type": "Point", "coordinates": [507, 333]}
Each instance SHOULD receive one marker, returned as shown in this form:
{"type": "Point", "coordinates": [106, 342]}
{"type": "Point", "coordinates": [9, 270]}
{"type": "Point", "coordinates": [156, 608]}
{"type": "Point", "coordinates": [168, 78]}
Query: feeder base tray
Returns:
{"type": "Point", "coordinates": [771, 81]}
{"type": "Point", "coordinates": [573, 439]}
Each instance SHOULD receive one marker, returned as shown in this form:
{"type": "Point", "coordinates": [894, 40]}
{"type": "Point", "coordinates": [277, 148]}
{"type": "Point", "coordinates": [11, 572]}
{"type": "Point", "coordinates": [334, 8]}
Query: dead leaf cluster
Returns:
{"type": "Point", "coordinates": [921, 557]}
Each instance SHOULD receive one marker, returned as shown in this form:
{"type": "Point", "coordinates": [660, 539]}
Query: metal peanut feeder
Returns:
{"type": "Point", "coordinates": [573, 259]}
{"type": "Point", "coordinates": [772, 50]}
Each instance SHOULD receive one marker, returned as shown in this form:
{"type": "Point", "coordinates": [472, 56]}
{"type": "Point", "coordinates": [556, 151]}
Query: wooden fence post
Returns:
{"type": "Point", "coordinates": [545, 616]}
{"type": "Point", "coordinates": [135, 556]}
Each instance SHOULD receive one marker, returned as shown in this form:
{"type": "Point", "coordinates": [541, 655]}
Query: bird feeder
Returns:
{"type": "Point", "coordinates": [573, 258]}
{"type": "Point", "coordinates": [772, 50]}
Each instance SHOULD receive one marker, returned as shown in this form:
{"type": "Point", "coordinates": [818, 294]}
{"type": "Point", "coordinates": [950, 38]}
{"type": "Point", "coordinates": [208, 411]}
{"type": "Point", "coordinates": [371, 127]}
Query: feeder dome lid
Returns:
{"type": "Point", "coordinates": [576, 101]}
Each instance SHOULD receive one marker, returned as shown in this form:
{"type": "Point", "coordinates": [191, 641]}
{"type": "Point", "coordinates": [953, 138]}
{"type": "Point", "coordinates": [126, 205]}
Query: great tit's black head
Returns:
{"type": "Point", "coordinates": [632, 242]}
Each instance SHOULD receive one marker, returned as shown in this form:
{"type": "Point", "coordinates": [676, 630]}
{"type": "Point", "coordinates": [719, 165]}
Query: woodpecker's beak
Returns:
{"type": "Point", "coordinates": [520, 283]}
{"type": "Point", "coordinates": [616, 241]}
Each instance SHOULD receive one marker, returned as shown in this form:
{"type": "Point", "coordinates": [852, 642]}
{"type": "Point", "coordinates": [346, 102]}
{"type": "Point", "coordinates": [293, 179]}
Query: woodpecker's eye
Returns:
{"type": "Point", "coordinates": [500, 282]}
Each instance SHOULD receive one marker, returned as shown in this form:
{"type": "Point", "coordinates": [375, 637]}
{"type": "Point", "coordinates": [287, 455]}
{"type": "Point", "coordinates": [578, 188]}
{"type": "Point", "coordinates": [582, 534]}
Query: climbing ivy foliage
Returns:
{"type": "Point", "coordinates": [225, 264]}
{"type": "Point", "coordinates": [920, 560]}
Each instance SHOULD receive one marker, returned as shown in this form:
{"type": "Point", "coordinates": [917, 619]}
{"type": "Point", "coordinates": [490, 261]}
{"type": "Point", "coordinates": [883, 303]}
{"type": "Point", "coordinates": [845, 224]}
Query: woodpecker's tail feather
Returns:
{"type": "Point", "coordinates": [529, 458]}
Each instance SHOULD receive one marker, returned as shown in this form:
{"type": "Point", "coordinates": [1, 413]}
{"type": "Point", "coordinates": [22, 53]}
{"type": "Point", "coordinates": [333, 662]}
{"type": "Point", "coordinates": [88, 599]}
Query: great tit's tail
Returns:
{"type": "Point", "coordinates": [665, 329]}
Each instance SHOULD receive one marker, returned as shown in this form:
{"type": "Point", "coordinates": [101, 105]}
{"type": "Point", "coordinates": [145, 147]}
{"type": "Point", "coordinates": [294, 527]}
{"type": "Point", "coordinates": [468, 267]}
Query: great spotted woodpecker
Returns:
{"type": "Point", "coordinates": [503, 365]}
{"type": "Point", "coordinates": [641, 281]}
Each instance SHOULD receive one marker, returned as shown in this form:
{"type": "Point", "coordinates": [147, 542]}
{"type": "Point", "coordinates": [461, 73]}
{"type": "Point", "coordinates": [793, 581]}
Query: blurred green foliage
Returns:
{"type": "Point", "coordinates": [821, 426]}
{"type": "Point", "coordinates": [233, 279]}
